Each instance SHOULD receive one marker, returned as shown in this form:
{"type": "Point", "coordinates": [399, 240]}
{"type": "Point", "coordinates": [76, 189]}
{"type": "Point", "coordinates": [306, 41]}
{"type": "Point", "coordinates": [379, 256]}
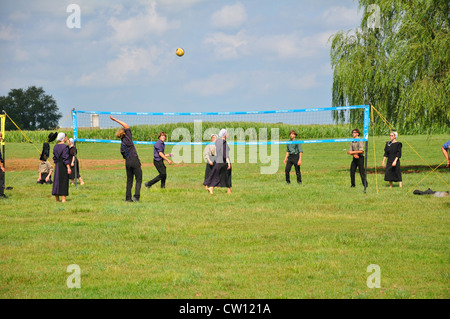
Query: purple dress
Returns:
{"type": "Point", "coordinates": [61, 177]}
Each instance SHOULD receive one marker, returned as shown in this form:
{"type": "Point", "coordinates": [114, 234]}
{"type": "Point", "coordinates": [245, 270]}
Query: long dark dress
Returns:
{"type": "Point", "coordinates": [61, 177]}
{"type": "Point", "coordinates": [220, 175]}
{"type": "Point", "coordinates": [391, 151]}
{"type": "Point", "coordinates": [72, 153]}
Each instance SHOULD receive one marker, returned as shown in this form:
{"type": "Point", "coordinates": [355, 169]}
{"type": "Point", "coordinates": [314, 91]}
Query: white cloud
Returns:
{"type": "Point", "coordinates": [340, 17]}
{"type": "Point", "coordinates": [140, 25]}
{"type": "Point", "coordinates": [229, 16]}
{"type": "Point", "coordinates": [132, 65]}
{"type": "Point", "coordinates": [216, 84]}
{"type": "Point", "coordinates": [21, 55]}
{"type": "Point", "coordinates": [226, 46]}
{"type": "Point", "coordinates": [303, 82]}
{"type": "Point", "coordinates": [7, 33]}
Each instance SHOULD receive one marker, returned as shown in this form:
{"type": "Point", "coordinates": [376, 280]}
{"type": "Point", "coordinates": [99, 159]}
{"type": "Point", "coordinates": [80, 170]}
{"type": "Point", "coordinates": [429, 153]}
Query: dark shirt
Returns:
{"type": "Point", "coordinates": [61, 153]}
{"type": "Point", "coordinates": [127, 147]}
{"type": "Point", "coordinates": [159, 147]}
{"type": "Point", "coordinates": [392, 150]}
{"type": "Point", "coordinates": [1, 158]}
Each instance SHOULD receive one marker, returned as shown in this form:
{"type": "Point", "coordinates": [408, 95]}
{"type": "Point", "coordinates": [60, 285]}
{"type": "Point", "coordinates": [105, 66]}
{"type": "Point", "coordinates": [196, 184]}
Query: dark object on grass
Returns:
{"type": "Point", "coordinates": [431, 192]}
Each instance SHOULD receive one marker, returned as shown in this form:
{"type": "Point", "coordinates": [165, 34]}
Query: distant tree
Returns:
{"type": "Point", "coordinates": [399, 61]}
{"type": "Point", "coordinates": [30, 109]}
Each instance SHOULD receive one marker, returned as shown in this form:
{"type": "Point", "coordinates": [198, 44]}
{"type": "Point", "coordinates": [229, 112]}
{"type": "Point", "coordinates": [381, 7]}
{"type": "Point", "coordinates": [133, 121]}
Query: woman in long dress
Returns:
{"type": "Point", "coordinates": [393, 153]}
{"type": "Point", "coordinates": [220, 175]}
{"type": "Point", "coordinates": [62, 168]}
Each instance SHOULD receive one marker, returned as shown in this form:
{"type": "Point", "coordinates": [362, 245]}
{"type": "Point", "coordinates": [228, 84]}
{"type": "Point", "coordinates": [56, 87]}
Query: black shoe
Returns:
{"type": "Point", "coordinates": [352, 186]}
{"type": "Point", "coordinates": [3, 196]}
{"type": "Point", "coordinates": [134, 199]}
{"type": "Point", "coordinates": [288, 183]}
{"type": "Point", "coordinates": [147, 184]}
{"type": "Point", "coordinates": [129, 200]}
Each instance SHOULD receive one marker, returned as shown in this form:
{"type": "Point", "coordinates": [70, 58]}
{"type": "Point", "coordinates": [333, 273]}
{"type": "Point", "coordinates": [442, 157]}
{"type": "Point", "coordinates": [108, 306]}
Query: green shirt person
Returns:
{"type": "Point", "coordinates": [294, 153]}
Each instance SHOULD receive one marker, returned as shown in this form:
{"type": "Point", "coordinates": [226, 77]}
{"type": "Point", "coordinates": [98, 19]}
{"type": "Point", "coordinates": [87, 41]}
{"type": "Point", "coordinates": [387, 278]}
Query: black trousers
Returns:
{"type": "Point", "coordinates": [358, 163]}
{"type": "Point", "coordinates": [293, 160]}
{"type": "Point", "coordinates": [162, 174]}
{"type": "Point", "coordinates": [133, 168]}
{"type": "Point", "coordinates": [2, 182]}
{"type": "Point", "coordinates": [43, 177]}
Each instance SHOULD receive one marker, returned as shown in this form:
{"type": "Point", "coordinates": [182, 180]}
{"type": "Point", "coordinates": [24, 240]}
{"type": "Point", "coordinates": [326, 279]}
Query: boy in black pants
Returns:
{"type": "Point", "coordinates": [158, 161]}
{"type": "Point", "coordinates": [357, 151]}
{"type": "Point", "coordinates": [294, 155]}
{"type": "Point", "coordinates": [132, 163]}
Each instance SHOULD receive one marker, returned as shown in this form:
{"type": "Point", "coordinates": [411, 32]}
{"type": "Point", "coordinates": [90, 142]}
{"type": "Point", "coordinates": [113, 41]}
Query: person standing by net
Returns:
{"type": "Point", "coordinates": [62, 168]}
{"type": "Point", "coordinates": [392, 153]}
{"type": "Point", "coordinates": [294, 153]}
{"type": "Point", "coordinates": [357, 152]}
{"type": "Point", "coordinates": [132, 162]}
{"type": "Point", "coordinates": [220, 175]}
{"type": "Point", "coordinates": [74, 164]}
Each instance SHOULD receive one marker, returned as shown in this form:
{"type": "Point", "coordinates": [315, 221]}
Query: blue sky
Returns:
{"type": "Point", "coordinates": [240, 55]}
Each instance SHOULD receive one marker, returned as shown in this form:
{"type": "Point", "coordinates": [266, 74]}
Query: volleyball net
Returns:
{"type": "Point", "coordinates": [313, 125]}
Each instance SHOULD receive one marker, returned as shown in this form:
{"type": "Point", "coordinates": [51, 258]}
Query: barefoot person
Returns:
{"type": "Point", "coordinates": [392, 153]}
{"type": "Point", "coordinates": [45, 171]}
{"type": "Point", "coordinates": [74, 165]}
{"type": "Point", "coordinates": [220, 175]}
{"type": "Point", "coordinates": [132, 162]}
{"type": "Point", "coordinates": [209, 154]}
{"type": "Point", "coordinates": [62, 168]}
{"type": "Point", "coordinates": [158, 160]}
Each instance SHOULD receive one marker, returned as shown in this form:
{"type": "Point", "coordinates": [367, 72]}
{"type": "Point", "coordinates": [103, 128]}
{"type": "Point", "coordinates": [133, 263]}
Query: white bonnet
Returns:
{"type": "Point", "coordinates": [61, 137]}
{"type": "Point", "coordinates": [223, 132]}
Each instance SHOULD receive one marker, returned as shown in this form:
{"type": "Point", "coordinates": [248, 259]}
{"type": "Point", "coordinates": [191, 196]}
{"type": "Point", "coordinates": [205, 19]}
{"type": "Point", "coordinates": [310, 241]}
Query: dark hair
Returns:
{"type": "Point", "coordinates": [293, 132]}
{"type": "Point", "coordinates": [161, 134]}
{"type": "Point", "coordinates": [357, 131]}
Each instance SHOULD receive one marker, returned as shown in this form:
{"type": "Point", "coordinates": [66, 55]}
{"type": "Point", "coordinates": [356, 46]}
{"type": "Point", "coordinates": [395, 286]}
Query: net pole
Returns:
{"type": "Point", "coordinates": [75, 136]}
{"type": "Point", "coordinates": [365, 166]}
{"type": "Point", "coordinates": [2, 125]}
{"type": "Point", "coordinates": [75, 165]}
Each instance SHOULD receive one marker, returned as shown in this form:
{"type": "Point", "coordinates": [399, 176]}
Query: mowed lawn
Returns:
{"type": "Point", "coordinates": [265, 240]}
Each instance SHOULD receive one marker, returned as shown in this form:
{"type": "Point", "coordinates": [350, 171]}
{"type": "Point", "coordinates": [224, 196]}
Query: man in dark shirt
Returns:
{"type": "Point", "coordinates": [2, 173]}
{"type": "Point", "coordinates": [158, 161]}
{"type": "Point", "coordinates": [132, 162]}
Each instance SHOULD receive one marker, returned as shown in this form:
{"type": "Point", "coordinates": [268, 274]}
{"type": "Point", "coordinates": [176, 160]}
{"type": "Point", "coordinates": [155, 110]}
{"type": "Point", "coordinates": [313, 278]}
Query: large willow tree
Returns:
{"type": "Point", "coordinates": [398, 60]}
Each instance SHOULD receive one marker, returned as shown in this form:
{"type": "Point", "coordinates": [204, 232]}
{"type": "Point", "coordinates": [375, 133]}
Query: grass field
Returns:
{"type": "Point", "coordinates": [265, 240]}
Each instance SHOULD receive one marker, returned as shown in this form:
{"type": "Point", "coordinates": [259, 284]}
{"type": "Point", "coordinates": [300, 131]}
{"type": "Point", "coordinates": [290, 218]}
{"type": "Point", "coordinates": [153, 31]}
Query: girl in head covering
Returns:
{"type": "Point", "coordinates": [392, 153]}
{"type": "Point", "coordinates": [74, 162]}
{"type": "Point", "coordinates": [62, 168]}
{"type": "Point", "coordinates": [220, 175]}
